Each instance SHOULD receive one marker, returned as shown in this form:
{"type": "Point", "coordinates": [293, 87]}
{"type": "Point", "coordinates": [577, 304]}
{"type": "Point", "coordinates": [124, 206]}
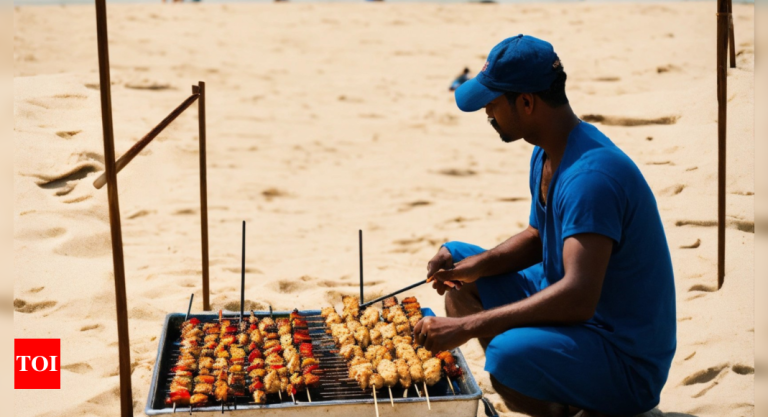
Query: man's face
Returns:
{"type": "Point", "coordinates": [504, 119]}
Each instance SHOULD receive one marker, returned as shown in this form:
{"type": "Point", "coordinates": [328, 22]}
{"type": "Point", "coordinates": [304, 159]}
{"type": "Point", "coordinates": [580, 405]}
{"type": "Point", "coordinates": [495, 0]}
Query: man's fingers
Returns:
{"type": "Point", "coordinates": [417, 327]}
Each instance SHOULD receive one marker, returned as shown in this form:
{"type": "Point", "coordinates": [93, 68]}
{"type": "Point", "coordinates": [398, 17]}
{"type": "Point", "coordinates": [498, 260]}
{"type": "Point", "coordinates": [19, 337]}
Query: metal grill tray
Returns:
{"type": "Point", "coordinates": [443, 402]}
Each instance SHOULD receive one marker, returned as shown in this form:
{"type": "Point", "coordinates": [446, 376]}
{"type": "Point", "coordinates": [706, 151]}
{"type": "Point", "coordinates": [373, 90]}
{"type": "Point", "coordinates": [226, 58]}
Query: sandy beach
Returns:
{"type": "Point", "coordinates": [328, 118]}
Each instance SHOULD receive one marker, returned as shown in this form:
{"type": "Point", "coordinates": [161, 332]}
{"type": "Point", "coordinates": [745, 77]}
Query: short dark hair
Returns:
{"type": "Point", "coordinates": [554, 96]}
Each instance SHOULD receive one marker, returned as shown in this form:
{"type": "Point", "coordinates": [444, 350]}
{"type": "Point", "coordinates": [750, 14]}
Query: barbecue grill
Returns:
{"type": "Point", "coordinates": [336, 395]}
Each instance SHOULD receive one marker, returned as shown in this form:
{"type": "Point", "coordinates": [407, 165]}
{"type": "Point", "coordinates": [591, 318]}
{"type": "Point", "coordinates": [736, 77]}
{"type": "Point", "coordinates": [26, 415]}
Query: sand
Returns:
{"type": "Point", "coordinates": [328, 118]}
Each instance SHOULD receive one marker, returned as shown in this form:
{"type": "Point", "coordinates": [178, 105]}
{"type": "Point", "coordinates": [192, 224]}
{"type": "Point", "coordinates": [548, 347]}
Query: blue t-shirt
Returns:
{"type": "Point", "coordinates": [598, 189]}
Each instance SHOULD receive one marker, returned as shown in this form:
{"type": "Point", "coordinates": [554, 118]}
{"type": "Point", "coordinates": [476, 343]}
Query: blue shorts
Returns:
{"type": "Point", "coordinates": [571, 365]}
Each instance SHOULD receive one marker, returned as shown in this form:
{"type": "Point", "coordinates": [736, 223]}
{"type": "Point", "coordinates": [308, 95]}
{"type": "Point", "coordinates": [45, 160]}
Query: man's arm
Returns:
{"type": "Point", "coordinates": [573, 299]}
{"type": "Point", "coordinates": [514, 254]}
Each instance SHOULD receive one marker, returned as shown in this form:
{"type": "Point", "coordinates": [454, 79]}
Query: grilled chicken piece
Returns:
{"type": "Point", "coordinates": [272, 382]}
{"type": "Point", "coordinates": [403, 373]}
{"type": "Point", "coordinates": [221, 391]}
{"type": "Point", "coordinates": [253, 319]}
{"type": "Point", "coordinates": [221, 363]}
{"type": "Point", "coordinates": [388, 371]}
{"type": "Point", "coordinates": [399, 340]}
{"type": "Point", "coordinates": [257, 373]}
{"type": "Point", "coordinates": [388, 331]}
{"type": "Point", "coordinates": [413, 320]}
{"type": "Point", "coordinates": [432, 371]}
{"type": "Point", "coordinates": [416, 370]}
{"type": "Point", "coordinates": [388, 344]}
{"type": "Point", "coordinates": [297, 381]}
{"type": "Point", "coordinates": [392, 312]}
{"type": "Point", "coordinates": [181, 383]}
{"type": "Point", "coordinates": [362, 374]}
{"type": "Point", "coordinates": [294, 364]}
{"type": "Point", "coordinates": [259, 397]}
{"type": "Point", "coordinates": [370, 317]}
{"type": "Point", "coordinates": [376, 381]}
{"type": "Point", "coordinates": [423, 354]}
{"type": "Point", "coordinates": [332, 318]}
{"type": "Point", "coordinates": [346, 339]}
{"type": "Point", "coordinates": [205, 362]}
{"type": "Point", "coordinates": [199, 399]}
{"type": "Point", "coordinates": [274, 359]}
{"type": "Point", "coordinates": [404, 351]}
{"type": "Point", "coordinates": [350, 351]}
{"type": "Point", "coordinates": [352, 325]}
{"type": "Point", "coordinates": [242, 339]}
{"type": "Point", "coordinates": [376, 353]}
{"type": "Point", "coordinates": [289, 352]}
{"type": "Point", "coordinates": [376, 338]}
{"type": "Point", "coordinates": [325, 311]}
{"type": "Point", "coordinates": [286, 340]}
{"type": "Point", "coordinates": [311, 380]}
{"type": "Point", "coordinates": [191, 350]}
{"type": "Point", "coordinates": [237, 352]}
{"type": "Point", "coordinates": [450, 366]}
{"type": "Point", "coordinates": [206, 389]}
{"type": "Point", "coordinates": [284, 329]}
{"type": "Point", "coordinates": [363, 336]}
{"type": "Point", "coordinates": [403, 329]}
{"type": "Point", "coordinates": [256, 336]}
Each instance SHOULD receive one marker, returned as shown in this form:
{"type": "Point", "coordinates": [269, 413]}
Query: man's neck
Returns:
{"type": "Point", "coordinates": [553, 135]}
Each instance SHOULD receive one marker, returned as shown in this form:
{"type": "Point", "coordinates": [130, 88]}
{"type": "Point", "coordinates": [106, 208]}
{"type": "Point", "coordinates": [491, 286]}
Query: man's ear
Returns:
{"type": "Point", "coordinates": [529, 102]}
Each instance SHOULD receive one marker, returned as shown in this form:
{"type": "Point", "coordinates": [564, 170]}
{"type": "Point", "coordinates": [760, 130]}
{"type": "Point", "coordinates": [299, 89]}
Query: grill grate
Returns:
{"type": "Point", "coordinates": [335, 385]}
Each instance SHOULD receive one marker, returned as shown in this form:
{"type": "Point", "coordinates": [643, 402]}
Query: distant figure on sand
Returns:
{"type": "Point", "coordinates": [461, 79]}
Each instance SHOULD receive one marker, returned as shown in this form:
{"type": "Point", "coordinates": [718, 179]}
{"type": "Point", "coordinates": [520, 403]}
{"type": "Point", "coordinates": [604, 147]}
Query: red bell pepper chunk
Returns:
{"type": "Point", "coordinates": [193, 321]}
{"type": "Point", "coordinates": [256, 354]}
{"type": "Point", "coordinates": [256, 385]}
{"type": "Point", "coordinates": [276, 367]}
{"type": "Point", "coordinates": [310, 369]}
{"type": "Point", "coordinates": [254, 366]}
{"type": "Point", "coordinates": [180, 397]}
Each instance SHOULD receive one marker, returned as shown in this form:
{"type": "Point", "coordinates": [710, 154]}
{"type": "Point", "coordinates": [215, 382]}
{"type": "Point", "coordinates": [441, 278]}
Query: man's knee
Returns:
{"type": "Point", "coordinates": [463, 302]}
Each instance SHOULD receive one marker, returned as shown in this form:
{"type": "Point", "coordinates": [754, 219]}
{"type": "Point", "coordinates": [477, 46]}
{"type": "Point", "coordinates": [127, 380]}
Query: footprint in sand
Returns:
{"type": "Point", "coordinates": [28, 307]}
{"type": "Point", "coordinates": [743, 369]}
{"type": "Point", "coordinates": [248, 306]}
{"type": "Point", "coordinates": [92, 246]}
{"type": "Point", "coordinates": [78, 368]}
{"type": "Point", "coordinates": [702, 288]}
{"type": "Point", "coordinates": [65, 182]}
{"type": "Point", "coordinates": [673, 190]}
{"type": "Point", "coordinates": [629, 121]}
{"type": "Point", "coordinates": [738, 224]}
{"type": "Point", "coordinates": [710, 376]}
{"type": "Point", "coordinates": [693, 245]}
{"type": "Point", "coordinates": [90, 327]}
{"type": "Point", "coordinates": [68, 134]}
{"type": "Point", "coordinates": [457, 172]}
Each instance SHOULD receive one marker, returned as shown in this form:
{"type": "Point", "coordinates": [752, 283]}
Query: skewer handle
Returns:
{"type": "Point", "coordinates": [391, 400]}
{"type": "Point", "coordinates": [450, 384]}
{"type": "Point", "coordinates": [426, 394]}
{"type": "Point", "coordinates": [412, 286]}
{"type": "Point", "coordinates": [309, 397]}
{"type": "Point", "coordinates": [189, 309]}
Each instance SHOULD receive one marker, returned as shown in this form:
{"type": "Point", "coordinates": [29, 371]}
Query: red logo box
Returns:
{"type": "Point", "coordinates": [37, 364]}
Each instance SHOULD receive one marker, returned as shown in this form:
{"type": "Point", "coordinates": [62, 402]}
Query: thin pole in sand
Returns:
{"type": "Point", "coordinates": [121, 303]}
{"type": "Point", "coordinates": [360, 244]}
{"type": "Point", "coordinates": [200, 89]}
{"type": "Point", "coordinates": [722, 107]}
{"type": "Point", "coordinates": [242, 278]}
{"type": "Point", "coordinates": [143, 142]}
{"type": "Point", "coordinates": [732, 40]}
{"type": "Point", "coordinates": [189, 309]}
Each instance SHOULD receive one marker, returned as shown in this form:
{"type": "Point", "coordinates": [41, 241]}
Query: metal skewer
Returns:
{"type": "Point", "coordinates": [360, 240]}
{"type": "Point", "coordinates": [191, 297]}
{"type": "Point", "coordinates": [242, 278]}
{"type": "Point", "coordinates": [412, 286]}
{"type": "Point", "coordinates": [426, 394]}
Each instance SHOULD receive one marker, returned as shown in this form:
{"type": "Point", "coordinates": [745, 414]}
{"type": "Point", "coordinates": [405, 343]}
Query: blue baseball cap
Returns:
{"type": "Point", "coordinates": [520, 64]}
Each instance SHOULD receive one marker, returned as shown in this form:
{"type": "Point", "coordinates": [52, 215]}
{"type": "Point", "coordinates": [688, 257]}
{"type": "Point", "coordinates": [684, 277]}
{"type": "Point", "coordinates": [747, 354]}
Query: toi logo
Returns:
{"type": "Point", "coordinates": [37, 364]}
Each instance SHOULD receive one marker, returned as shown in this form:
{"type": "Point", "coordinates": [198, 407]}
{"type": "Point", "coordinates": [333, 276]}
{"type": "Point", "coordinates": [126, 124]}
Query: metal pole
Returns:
{"type": "Point", "coordinates": [722, 103]}
{"type": "Point", "coordinates": [242, 278]}
{"type": "Point", "coordinates": [731, 38]}
{"type": "Point", "coordinates": [360, 239]}
{"type": "Point", "coordinates": [126, 396]}
{"type": "Point", "coordinates": [203, 193]}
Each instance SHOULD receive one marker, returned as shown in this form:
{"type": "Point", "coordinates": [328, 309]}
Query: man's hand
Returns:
{"type": "Point", "coordinates": [440, 333]}
{"type": "Point", "coordinates": [441, 261]}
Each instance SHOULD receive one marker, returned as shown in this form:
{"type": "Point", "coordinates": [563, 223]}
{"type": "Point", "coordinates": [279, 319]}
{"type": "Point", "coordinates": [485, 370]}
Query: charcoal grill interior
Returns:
{"type": "Point", "coordinates": [335, 387]}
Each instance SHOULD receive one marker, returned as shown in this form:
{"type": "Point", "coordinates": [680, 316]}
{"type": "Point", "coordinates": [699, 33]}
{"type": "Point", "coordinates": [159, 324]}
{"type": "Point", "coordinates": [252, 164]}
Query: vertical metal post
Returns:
{"type": "Point", "coordinates": [360, 239]}
{"type": "Point", "coordinates": [722, 103]}
{"type": "Point", "coordinates": [731, 38]}
{"type": "Point", "coordinates": [126, 396]}
{"type": "Point", "coordinates": [242, 278]}
{"type": "Point", "coordinates": [203, 192]}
